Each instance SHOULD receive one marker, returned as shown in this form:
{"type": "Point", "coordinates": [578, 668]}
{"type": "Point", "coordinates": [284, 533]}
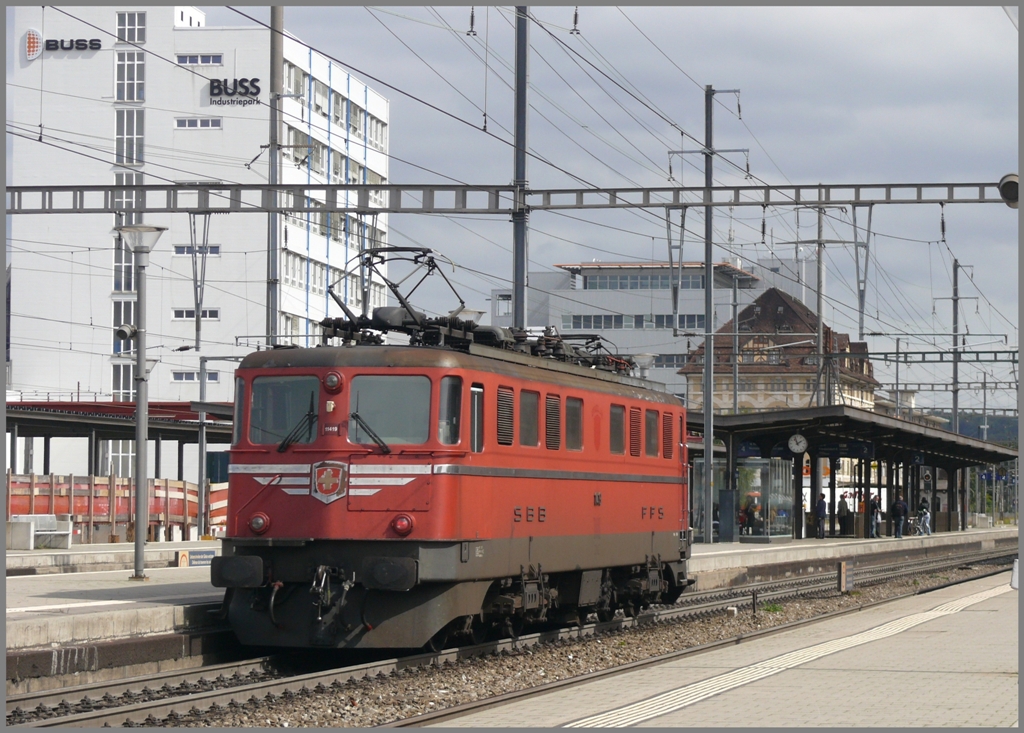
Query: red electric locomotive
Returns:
{"type": "Point", "coordinates": [469, 483]}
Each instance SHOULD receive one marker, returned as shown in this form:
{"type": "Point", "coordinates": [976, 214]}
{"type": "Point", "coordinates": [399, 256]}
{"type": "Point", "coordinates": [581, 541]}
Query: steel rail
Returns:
{"type": "Point", "coordinates": [715, 601]}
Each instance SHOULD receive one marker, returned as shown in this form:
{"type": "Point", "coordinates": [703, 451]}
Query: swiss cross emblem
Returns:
{"type": "Point", "coordinates": [330, 481]}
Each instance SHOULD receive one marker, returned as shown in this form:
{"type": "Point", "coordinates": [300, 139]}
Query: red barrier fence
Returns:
{"type": "Point", "coordinates": [103, 507]}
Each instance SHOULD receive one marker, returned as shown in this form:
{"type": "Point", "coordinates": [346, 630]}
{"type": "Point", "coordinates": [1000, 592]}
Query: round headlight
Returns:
{"type": "Point", "coordinates": [259, 523]}
{"type": "Point", "coordinates": [332, 382]}
{"type": "Point", "coordinates": [402, 524]}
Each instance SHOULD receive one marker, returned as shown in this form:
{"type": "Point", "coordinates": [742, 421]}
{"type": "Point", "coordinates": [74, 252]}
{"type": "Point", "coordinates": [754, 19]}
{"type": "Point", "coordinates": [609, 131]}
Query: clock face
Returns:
{"type": "Point", "coordinates": [798, 443]}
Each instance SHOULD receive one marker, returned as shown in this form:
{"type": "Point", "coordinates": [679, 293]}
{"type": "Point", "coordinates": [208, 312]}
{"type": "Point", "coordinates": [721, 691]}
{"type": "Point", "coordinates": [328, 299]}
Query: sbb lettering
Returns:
{"type": "Point", "coordinates": [533, 514]}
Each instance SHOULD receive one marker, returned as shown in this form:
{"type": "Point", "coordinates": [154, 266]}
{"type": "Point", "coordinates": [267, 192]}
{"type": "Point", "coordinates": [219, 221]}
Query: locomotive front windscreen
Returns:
{"type": "Point", "coordinates": [396, 408]}
{"type": "Point", "coordinates": [283, 406]}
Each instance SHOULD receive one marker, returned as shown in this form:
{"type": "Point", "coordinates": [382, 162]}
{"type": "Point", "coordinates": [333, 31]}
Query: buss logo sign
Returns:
{"type": "Point", "coordinates": [33, 44]}
{"type": "Point", "coordinates": [330, 481]}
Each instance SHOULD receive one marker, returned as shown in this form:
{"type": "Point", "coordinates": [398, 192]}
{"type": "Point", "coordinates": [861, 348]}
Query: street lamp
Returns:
{"type": "Point", "coordinates": [140, 239]}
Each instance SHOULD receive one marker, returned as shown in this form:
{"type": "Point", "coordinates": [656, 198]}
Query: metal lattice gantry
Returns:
{"type": "Point", "coordinates": [464, 199]}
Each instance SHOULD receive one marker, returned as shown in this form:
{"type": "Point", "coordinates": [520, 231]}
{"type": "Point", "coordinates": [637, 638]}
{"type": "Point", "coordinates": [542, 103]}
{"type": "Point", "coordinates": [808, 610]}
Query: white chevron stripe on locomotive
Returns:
{"type": "Point", "coordinates": [417, 469]}
{"type": "Point", "coordinates": [380, 480]}
{"type": "Point", "coordinates": [271, 468]}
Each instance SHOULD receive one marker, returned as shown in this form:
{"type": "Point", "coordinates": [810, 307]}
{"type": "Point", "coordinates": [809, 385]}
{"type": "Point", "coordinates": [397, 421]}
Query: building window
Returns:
{"type": "Point", "coordinates": [503, 304]}
{"type": "Point", "coordinates": [194, 376]}
{"type": "Point", "coordinates": [130, 76]}
{"type": "Point", "coordinates": [128, 136]}
{"type": "Point", "coordinates": [188, 314]}
{"type": "Point", "coordinates": [355, 173]}
{"type": "Point", "coordinates": [124, 313]}
{"type": "Point", "coordinates": [778, 385]}
{"type": "Point", "coordinates": [122, 384]}
{"type": "Point", "coordinates": [125, 199]}
{"type": "Point", "coordinates": [320, 93]}
{"type": "Point", "coordinates": [378, 133]}
{"type": "Point", "coordinates": [203, 59]}
{"type": "Point", "coordinates": [197, 123]}
{"type": "Point", "coordinates": [131, 27]}
{"type": "Point", "coordinates": [213, 250]}
{"type": "Point", "coordinates": [356, 120]}
{"type": "Point", "coordinates": [295, 82]}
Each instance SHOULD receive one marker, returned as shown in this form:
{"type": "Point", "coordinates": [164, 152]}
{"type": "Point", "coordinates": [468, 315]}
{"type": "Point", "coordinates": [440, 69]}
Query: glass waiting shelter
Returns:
{"type": "Point", "coordinates": [758, 510]}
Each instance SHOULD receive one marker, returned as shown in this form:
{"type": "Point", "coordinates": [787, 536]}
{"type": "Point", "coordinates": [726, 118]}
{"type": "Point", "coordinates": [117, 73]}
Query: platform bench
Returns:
{"type": "Point", "coordinates": [40, 531]}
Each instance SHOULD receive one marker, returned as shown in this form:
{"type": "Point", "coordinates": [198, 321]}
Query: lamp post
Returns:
{"type": "Point", "coordinates": [140, 239]}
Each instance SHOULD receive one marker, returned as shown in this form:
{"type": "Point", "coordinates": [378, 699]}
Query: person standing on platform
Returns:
{"type": "Point", "coordinates": [923, 517]}
{"type": "Point", "coordinates": [844, 514]}
{"type": "Point", "coordinates": [821, 512]}
{"type": "Point", "coordinates": [899, 512]}
{"type": "Point", "coordinates": [874, 511]}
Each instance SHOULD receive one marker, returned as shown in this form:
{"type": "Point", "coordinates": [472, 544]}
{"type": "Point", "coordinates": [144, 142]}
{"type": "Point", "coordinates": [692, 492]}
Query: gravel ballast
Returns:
{"type": "Point", "coordinates": [369, 702]}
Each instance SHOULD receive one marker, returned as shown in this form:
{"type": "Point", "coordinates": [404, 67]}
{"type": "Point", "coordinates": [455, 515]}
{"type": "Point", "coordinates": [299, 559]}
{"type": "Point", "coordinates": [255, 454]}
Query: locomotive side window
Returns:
{"type": "Point", "coordinates": [236, 421]}
{"type": "Point", "coordinates": [617, 429]}
{"type": "Point", "coordinates": [573, 423]}
{"type": "Point", "coordinates": [529, 418]}
{"type": "Point", "coordinates": [666, 435]}
{"type": "Point", "coordinates": [651, 433]}
{"type": "Point", "coordinates": [449, 412]}
{"type": "Point", "coordinates": [476, 418]}
{"type": "Point", "coordinates": [281, 408]}
{"type": "Point", "coordinates": [397, 409]}
{"type": "Point", "coordinates": [634, 431]}
{"type": "Point", "coordinates": [553, 421]}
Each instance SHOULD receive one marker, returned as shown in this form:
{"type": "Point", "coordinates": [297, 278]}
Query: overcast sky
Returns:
{"type": "Point", "coordinates": [829, 95]}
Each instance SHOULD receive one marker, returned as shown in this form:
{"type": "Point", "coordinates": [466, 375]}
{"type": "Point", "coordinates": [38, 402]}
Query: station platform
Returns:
{"type": "Point", "coordinates": [62, 623]}
{"type": "Point", "coordinates": [946, 658]}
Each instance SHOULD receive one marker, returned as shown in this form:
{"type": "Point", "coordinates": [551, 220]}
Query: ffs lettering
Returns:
{"type": "Point", "coordinates": [652, 512]}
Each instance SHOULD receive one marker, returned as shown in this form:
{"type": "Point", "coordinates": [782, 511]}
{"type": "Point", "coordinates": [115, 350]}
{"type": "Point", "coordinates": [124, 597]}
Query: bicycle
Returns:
{"type": "Point", "coordinates": [915, 526]}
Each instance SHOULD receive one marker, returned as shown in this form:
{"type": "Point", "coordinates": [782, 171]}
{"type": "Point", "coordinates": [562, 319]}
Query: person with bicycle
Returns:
{"type": "Point", "coordinates": [924, 521]}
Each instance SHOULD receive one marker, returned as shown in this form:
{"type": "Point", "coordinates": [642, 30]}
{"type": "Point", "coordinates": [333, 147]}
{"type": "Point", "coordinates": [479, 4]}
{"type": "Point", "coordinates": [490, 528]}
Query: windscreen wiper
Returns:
{"type": "Point", "coordinates": [369, 431]}
{"type": "Point", "coordinates": [306, 423]}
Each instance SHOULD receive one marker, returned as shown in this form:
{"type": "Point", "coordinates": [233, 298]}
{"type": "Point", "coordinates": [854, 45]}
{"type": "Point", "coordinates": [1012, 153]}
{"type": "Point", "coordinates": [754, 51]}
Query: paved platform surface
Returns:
{"type": "Point", "coordinates": [949, 658]}
{"type": "Point", "coordinates": [57, 608]}
{"type": "Point", "coordinates": [99, 556]}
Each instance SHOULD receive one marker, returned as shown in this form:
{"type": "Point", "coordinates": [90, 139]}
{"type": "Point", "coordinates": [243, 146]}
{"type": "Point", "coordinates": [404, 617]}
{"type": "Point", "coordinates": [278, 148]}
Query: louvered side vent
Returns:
{"type": "Point", "coordinates": [666, 435]}
{"type": "Point", "coordinates": [634, 431]}
{"type": "Point", "coordinates": [553, 421]}
{"type": "Point", "coordinates": [506, 412]}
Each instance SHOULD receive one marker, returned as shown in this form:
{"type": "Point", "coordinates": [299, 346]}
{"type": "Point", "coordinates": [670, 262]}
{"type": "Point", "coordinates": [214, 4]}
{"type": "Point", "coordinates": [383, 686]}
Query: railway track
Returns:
{"type": "Point", "coordinates": [151, 699]}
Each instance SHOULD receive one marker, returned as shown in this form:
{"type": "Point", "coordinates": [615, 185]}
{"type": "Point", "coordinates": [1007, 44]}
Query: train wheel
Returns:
{"type": "Point", "coordinates": [631, 608]}
{"type": "Point", "coordinates": [438, 641]}
{"type": "Point", "coordinates": [480, 630]}
{"type": "Point", "coordinates": [605, 615]}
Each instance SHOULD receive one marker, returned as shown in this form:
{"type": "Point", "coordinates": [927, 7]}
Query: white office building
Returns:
{"type": "Point", "coordinates": [152, 95]}
{"type": "Point", "coordinates": [629, 304]}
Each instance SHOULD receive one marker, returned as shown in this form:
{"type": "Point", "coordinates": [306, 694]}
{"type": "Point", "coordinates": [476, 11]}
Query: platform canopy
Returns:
{"type": "Point", "coordinates": [845, 430]}
{"type": "Point", "coordinates": [112, 421]}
